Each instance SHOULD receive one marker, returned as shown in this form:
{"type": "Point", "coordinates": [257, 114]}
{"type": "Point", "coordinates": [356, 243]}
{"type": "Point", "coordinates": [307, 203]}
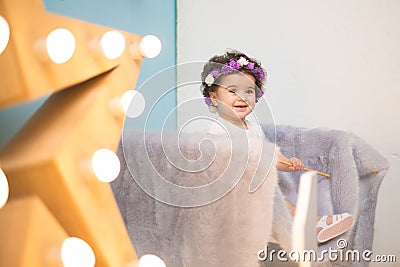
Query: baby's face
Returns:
{"type": "Point", "coordinates": [235, 97]}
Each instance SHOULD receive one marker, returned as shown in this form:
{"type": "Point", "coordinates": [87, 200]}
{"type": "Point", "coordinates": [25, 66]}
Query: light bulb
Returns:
{"type": "Point", "coordinates": [126, 99]}
{"type": "Point", "coordinates": [4, 189]}
{"type": "Point", "coordinates": [106, 165]}
{"type": "Point", "coordinates": [113, 44]}
{"type": "Point", "coordinates": [4, 34]}
{"type": "Point", "coordinates": [149, 46]}
{"type": "Point", "coordinates": [77, 253]}
{"type": "Point", "coordinates": [150, 260]}
{"type": "Point", "coordinates": [60, 45]}
{"type": "Point", "coordinates": [133, 103]}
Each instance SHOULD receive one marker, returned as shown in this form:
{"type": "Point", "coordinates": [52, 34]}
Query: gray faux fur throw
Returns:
{"type": "Point", "coordinates": [356, 171]}
{"type": "Point", "coordinates": [232, 229]}
{"type": "Point", "coordinates": [225, 223]}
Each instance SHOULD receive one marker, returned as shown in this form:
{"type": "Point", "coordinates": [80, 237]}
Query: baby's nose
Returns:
{"type": "Point", "coordinates": [242, 96]}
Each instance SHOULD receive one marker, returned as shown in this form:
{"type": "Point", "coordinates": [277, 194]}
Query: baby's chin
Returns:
{"type": "Point", "coordinates": [242, 112]}
{"type": "Point", "coordinates": [240, 116]}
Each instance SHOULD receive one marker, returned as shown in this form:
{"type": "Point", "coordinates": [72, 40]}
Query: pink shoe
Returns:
{"type": "Point", "coordinates": [340, 224]}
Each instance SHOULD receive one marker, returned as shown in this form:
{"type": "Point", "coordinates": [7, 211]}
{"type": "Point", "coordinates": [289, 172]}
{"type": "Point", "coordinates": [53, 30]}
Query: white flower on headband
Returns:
{"type": "Point", "coordinates": [209, 80]}
{"type": "Point", "coordinates": [242, 61]}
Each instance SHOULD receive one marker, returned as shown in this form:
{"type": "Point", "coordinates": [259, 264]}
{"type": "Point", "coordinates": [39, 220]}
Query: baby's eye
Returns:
{"type": "Point", "coordinates": [233, 91]}
{"type": "Point", "coordinates": [250, 91]}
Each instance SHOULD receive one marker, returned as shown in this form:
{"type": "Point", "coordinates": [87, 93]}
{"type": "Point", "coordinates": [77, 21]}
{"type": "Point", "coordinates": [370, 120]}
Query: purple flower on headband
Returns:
{"type": "Point", "coordinates": [260, 74]}
{"type": "Point", "coordinates": [226, 69]}
{"type": "Point", "coordinates": [207, 100]}
{"type": "Point", "coordinates": [250, 65]}
{"type": "Point", "coordinates": [234, 64]}
{"type": "Point", "coordinates": [260, 93]}
{"type": "Point", "coordinates": [215, 73]}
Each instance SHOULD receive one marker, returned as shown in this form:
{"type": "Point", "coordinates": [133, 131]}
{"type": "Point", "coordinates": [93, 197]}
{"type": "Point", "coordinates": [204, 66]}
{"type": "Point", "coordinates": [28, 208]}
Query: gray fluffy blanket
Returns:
{"type": "Point", "coordinates": [229, 231]}
{"type": "Point", "coordinates": [221, 212]}
{"type": "Point", "coordinates": [356, 171]}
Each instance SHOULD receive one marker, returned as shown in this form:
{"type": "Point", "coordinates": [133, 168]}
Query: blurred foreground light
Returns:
{"type": "Point", "coordinates": [4, 189]}
{"type": "Point", "coordinates": [133, 103]}
{"type": "Point", "coordinates": [77, 253]}
{"type": "Point", "coordinates": [150, 260]}
{"type": "Point", "coordinates": [4, 34]}
{"type": "Point", "coordinates": [106, 165]}
{"type": "Point", "coordinates": [149, 46]}
{"type": "Point", "coordinates": [60, 45]}
{"type": "Point", "coordinates": [112, 44]}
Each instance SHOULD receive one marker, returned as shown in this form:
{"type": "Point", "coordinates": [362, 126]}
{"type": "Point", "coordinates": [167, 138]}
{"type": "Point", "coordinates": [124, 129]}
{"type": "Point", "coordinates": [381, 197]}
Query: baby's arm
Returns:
{"type": "Point", "coordinates": [297, 164]}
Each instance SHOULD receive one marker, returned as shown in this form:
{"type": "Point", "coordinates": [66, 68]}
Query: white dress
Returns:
{"type": "Point", "coordinates": [259, 149]}
{"type": "Point", "coordinates": [223, 127]}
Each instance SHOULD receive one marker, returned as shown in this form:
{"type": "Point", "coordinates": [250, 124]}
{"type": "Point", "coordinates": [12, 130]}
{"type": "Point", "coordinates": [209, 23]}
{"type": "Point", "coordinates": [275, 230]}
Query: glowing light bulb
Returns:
{"type": "Point", "coordinates": [133, 103]}
{"type": "Point", "coordinates": [130, 104]}
{"type": "Point", "coordinates": [127, 98]}
{"type": "Point", "coordinates": [60, 45]}
{"type": "Point", "coordinates": [106, 165]}
{"type": "Point", "coordinates": [4, 34]}
{"type": "Point", "coordinates": [77, 253]}
{"type": "Point", "coordinates": [150, 260]}
{"type": "Point", "coordinates": [113, 44]}
{"type": "Point", "coordinates": [149, 46]}
{"type": "Point", "coordinates": [4, 189]}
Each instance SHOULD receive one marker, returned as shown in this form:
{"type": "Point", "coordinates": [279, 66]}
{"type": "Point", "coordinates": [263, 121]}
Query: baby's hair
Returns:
{"type": "Point", "coordinates": [217, 64]}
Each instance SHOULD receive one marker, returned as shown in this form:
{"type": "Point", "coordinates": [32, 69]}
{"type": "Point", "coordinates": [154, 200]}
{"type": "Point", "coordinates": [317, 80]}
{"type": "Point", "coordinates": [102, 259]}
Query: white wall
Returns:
{"type": "Point", "coordinates": [330, 64]}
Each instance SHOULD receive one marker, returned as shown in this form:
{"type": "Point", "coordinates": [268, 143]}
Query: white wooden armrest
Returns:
{"type": "Point", "coordinates": [304, 223]}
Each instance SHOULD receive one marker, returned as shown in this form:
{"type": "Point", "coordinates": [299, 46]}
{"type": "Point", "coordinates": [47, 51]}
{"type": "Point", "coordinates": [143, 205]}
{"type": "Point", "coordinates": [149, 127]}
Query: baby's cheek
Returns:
{"type": "Point", "coordinates": [252, 103]}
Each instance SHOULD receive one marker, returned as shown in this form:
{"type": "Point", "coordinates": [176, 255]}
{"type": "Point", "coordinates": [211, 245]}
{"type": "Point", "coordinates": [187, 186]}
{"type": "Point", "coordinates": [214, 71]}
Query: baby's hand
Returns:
{"type": "Point", "coordinates": [297, 164]}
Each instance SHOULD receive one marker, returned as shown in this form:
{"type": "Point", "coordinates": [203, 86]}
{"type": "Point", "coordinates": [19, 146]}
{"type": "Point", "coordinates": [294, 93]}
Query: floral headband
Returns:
{"type": "Point", "coordinates": [232, 66]}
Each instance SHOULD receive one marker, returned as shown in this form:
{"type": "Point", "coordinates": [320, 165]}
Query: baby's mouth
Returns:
{"type": "Point", "coordinates": [240, 106]}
